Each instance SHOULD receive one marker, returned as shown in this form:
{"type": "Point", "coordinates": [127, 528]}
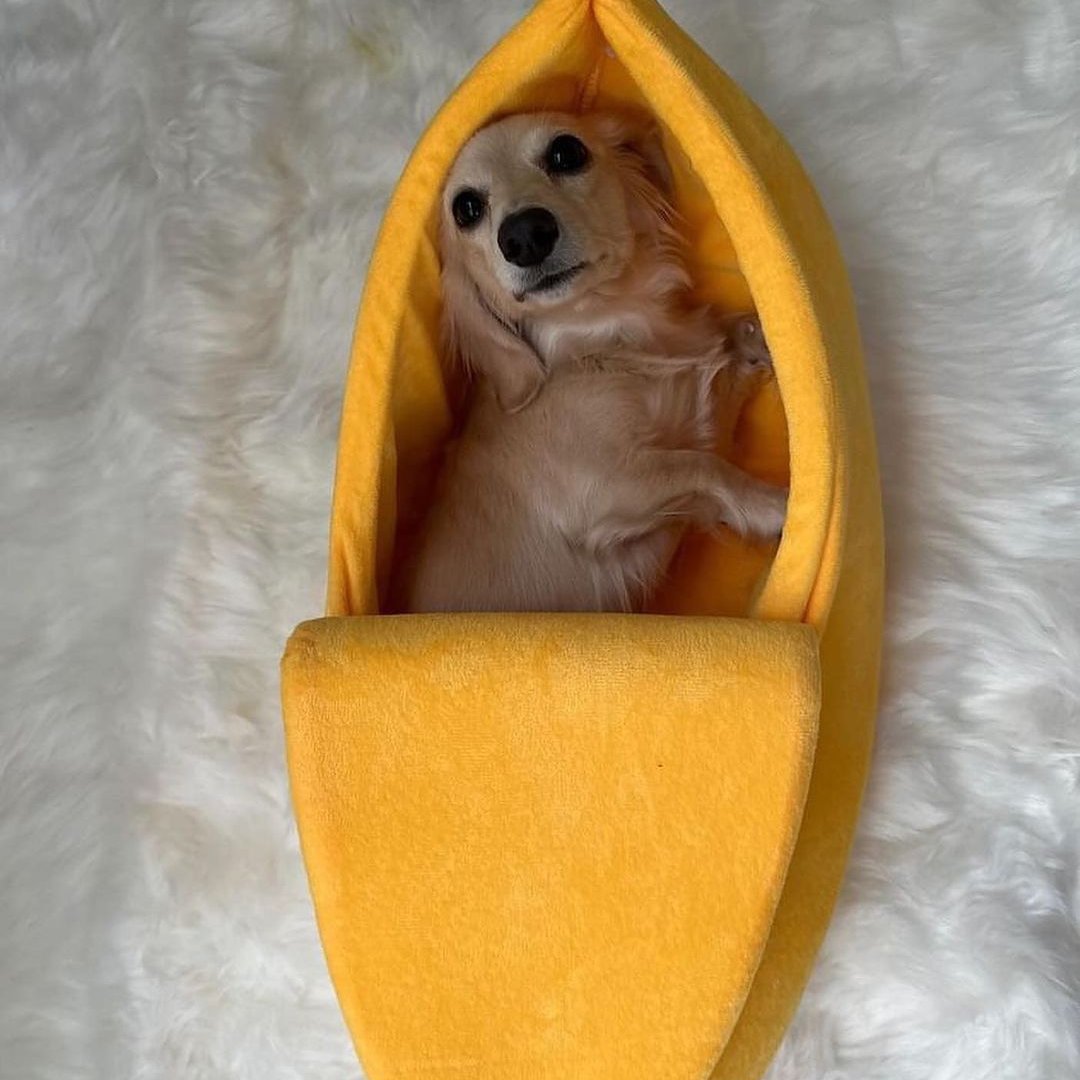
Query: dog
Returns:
{"type": "Point", "coordinates": [601, 396]}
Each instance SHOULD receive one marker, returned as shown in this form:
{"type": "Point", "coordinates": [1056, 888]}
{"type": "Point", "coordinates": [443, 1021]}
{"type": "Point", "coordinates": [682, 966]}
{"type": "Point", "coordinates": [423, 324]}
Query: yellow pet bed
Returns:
{"type": "Point", "coordinates": [573, 847]}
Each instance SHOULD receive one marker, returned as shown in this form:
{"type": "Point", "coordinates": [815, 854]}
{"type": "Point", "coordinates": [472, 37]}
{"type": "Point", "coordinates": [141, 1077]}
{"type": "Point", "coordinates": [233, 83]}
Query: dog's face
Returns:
{"type": "Point", "coordinates": [540, 208]}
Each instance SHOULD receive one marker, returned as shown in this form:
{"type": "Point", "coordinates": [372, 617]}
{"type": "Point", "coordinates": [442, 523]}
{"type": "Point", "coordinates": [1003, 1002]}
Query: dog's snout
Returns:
{"type": "Point", "coordinates": [528, 236]}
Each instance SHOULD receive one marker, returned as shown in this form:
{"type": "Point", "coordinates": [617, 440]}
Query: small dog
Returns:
{"type": "Point", "coordinates": [600, 394]}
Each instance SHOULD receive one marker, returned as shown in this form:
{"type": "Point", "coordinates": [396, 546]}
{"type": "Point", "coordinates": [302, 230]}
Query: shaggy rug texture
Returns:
{"type": "Point", "coordinates": [188, 197]}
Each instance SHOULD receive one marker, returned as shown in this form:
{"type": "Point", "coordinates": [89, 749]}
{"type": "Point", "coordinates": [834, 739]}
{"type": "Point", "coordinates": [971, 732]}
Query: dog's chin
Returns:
{"type": "Point", "coordinates": [553, 286]}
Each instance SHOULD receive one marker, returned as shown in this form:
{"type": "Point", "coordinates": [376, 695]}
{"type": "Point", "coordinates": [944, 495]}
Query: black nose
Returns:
{"type": "Point", "coordinates": [528, 236]}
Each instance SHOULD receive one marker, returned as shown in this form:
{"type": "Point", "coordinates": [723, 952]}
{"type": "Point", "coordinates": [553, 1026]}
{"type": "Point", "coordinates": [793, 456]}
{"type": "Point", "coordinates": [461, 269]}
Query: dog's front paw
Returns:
{"type": "Point", "coordinates": [748, 342]}
{"type": "Point", "coordinates": [766, 510]}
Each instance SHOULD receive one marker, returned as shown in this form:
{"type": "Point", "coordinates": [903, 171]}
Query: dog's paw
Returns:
{"type": "Point", "coordinates": [748, 343]}
{"type": "Point", "coordinates": [766, 511]}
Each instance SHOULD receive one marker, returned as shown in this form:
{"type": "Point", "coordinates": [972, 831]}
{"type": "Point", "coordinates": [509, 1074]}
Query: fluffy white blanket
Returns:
{"type": "Point", "coordinates": [188, 196]}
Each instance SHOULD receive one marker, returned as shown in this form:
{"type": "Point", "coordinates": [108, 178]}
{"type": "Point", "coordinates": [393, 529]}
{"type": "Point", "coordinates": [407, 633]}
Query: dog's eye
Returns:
{"type": "Point", "coordinates": [567, 154]}
{"type": "Point", "coordinates": [468, 208]}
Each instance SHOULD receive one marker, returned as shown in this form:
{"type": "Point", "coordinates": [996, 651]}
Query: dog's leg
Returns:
{"type": "Point", "coordinates": [687, 487]}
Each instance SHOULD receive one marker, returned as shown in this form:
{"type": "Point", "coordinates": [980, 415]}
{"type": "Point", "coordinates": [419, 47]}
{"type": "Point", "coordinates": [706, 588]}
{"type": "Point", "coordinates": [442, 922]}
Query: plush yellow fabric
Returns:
{"type": "Point", "coordinates": [603, 846]}
{"type": "Point", "coordinates": [553, 875]}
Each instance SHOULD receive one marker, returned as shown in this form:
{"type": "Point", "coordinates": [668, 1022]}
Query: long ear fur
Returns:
{"type": "Point", "coordinates": [487, 344]}
{"type": "Point", "coordinates": [637, 140]}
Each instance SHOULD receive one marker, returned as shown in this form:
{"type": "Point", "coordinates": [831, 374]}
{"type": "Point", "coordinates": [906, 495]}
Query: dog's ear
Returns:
{"type": "Point", "coordinates": [487, 344]}
{"type": "Point", "coordinates": [638, 138]}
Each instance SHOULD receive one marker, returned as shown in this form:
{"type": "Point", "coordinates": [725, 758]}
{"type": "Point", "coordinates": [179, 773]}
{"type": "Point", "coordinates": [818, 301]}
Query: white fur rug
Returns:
{"type": "Point", "coordinates": [188, 195]}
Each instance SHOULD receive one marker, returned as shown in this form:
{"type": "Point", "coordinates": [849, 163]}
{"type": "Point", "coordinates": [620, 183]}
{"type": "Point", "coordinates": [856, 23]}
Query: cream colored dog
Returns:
{"type": "Point", "coordinates": [601, 397]}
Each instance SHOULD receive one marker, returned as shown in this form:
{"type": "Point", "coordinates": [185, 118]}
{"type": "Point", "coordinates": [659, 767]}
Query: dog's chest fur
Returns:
{"type": "Point", "coordinates": [568, 455]}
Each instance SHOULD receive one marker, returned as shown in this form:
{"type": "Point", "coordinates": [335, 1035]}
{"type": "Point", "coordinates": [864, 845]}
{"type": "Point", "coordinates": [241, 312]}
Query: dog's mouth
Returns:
{"type": "Point", "coordinates": [550, 282]}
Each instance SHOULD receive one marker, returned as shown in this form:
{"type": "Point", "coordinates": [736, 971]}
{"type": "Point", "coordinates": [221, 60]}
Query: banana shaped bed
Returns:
{"type": "Point", "coordinates": [592, 847]}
